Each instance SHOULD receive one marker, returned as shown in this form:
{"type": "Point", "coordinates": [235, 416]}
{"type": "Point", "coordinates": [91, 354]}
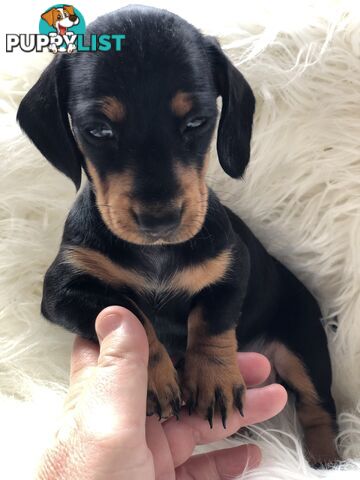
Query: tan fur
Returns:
{"type": "Point", "coordinates": [181, 103]}
{"type": "Point", "coordinates": [195, 278]}
{"type": "Point", "coordinates": [162, 377]}
{"type": "Point", "coordinates": [194, 197]}
{"type": "Point", "coordinates": [99, 266]}
{"type": "Point", "coordinates": [200, 338]}
{"type": "Point", "coordinates": [316, 421]}
{"type": "Point", "coordinates": [112, 108]}
{"type": "Point", "coordinates": [210, 363]}
{"type": "Point", "coordinates": [290, 367]}
{"type": "Point", "coordinates": [113, 197]}
{"type": "Point", "coordinates": [114, 203]}
{"type": "Point", "coordinates": [190, 280]}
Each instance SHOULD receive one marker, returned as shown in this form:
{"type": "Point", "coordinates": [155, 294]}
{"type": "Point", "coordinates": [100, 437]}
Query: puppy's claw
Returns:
{"type": "Point", "coordinates": [191, 406]}
{"type": "Point", "coordinates": [156, 404]}
{"type": "Point", "coordinates": [158, 410]}
{"type": "Point", "coordinates": [176, 406]}
{"type": "Point", "coordinates": [151, 400]}
{"type": "Point", "coordinates": [210, 415]}
{"type": "Point", "coordinates": [191, 403]}
{"type": "Point", "coordinates": [238, 394]}
{"type": "Point", "coordinates": [223, 417]}
{"type": "Point", "coordinates": [220, 401]}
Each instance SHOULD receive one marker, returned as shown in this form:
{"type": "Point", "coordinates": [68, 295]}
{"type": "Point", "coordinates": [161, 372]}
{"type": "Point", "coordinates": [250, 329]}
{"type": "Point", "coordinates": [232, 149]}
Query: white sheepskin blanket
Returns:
{"type": "Point", "coordinates": [301, 197]}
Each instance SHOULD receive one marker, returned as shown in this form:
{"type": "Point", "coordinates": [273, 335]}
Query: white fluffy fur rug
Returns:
{"type": "Point", "coordinates": [301, 196]}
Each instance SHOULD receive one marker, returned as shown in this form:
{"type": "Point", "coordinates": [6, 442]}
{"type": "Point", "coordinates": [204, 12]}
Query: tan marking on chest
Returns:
{"type": "Point", "coordinates": [94, 263]}
{"type": "Point", "coordinates": [191, 280]}
{"type": "Point", "coordinates": [197, 277]}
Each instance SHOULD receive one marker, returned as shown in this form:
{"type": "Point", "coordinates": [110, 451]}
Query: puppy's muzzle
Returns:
{"type": "Point", "coordinates": [160, 224]}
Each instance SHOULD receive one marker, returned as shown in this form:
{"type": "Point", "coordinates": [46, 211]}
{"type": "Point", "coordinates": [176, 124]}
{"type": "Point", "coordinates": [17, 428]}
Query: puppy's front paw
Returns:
{"type": "Point", "coordinates": [212, 383]}
{"type": "Point", "coordinates": [163, 396]}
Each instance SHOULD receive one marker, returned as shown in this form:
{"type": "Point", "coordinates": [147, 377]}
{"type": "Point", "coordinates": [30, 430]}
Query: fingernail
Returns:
{"type": "Point", "coordinates": [108, 324]}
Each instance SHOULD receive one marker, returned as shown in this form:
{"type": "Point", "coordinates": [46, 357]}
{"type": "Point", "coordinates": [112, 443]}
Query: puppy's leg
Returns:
{"type": "Point", "coordinates": [211, 379]}
{"type": "Point", "coordinates": [314, 403]}
{"type": "Point", "coordinates": [73, 300]}
{"type": "Point", "coordinates": [163, 387]}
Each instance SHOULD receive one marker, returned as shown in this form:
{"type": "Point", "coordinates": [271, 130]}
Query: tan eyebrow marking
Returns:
{"type": "Point", "coordinates": [181, 103]}
{"type": "Point", "coordinates": [113, 108]}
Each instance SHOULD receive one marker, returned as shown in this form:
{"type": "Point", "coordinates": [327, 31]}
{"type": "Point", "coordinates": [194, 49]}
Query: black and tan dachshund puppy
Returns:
{"type": "Point", "coordinates": [147, 233]}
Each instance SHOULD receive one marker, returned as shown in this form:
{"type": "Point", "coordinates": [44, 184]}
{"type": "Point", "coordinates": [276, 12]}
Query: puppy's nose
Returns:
{"type": "Point", "coordinates": [159, 224]}
{"type": "Point", "coordinates": [72, 18]}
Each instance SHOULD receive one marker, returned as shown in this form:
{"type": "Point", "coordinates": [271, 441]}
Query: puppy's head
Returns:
{"type": "Point", "coordinates": [140, 122]}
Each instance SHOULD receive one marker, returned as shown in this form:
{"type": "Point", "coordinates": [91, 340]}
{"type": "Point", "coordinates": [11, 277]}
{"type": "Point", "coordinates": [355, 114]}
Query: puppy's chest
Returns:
{"type": "Point", "coordinates": [159, 271]}
{"type": "Point", "coordinates": [156, 263]}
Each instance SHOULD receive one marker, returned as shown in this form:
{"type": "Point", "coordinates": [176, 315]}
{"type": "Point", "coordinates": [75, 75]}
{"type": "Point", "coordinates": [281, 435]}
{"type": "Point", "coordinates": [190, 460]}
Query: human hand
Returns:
{"type": "Point", "coordinates": [105, 433]}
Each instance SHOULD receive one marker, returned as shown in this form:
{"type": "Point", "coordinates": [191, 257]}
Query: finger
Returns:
{"type": "Point", "coordinates": [159, 447]}
{"type": "Point", "coordinates": [254, 367]}
{"type": "Point", "coordinates": [115, 401]}
{"type": "Point", "coordinates": [221, 464]}
{"type": "Point", "coordinates": [84, 358]}
{"type": "Point", "coordinates": [260, 405]}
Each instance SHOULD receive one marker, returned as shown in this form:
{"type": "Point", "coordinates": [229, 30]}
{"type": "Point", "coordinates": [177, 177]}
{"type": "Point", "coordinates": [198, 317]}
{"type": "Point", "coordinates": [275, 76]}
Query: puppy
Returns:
{"type": "Point", "coordinates": [146, 232]}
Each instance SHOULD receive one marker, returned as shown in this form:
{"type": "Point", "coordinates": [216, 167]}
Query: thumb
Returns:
{"type": "Point", "coordinates": [117, 393]}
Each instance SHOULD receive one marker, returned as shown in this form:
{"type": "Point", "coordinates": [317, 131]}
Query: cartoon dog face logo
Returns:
{"type": "Point", "coordinates": [61, 18]}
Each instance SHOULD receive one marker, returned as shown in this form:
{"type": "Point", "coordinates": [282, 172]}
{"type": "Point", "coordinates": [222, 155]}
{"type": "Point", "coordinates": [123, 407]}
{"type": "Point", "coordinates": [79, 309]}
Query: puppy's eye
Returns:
{"type": "Point", "coordinates": [194, 123]}
{"type": "Point", "coordinates": [101, 131]}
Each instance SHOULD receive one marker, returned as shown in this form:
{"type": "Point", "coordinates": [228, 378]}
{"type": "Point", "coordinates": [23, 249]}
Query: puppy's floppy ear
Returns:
{"type": "Point", "coordinates": [238, 105]}
{"type": "Point", "coordinates": [42, 115]}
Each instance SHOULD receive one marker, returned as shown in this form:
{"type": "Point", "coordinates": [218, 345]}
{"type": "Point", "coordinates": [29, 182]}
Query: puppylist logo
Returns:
{"type": "Point", "coordinates": [62, 29]}
{"type": "Point", "coordinates": [64, 25]}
